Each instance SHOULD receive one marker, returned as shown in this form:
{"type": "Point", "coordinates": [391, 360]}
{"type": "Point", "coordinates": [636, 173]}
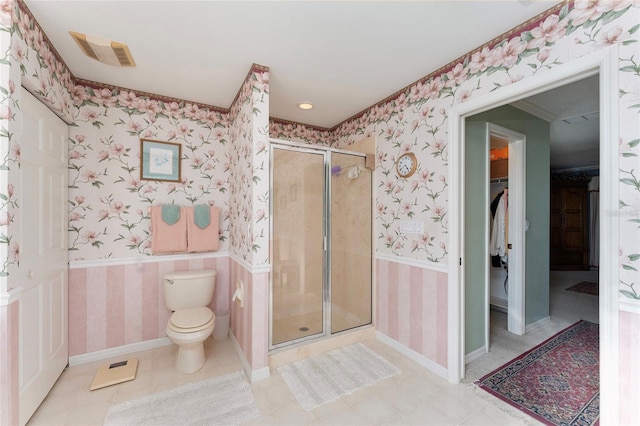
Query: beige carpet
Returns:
{"type": "Point", "coordinates": [566, 307]}
{"type": "Point", "coordinates": [585, 287]}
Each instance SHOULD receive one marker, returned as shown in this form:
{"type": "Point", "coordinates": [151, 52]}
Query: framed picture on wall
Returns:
{"type": "Point", "coordinates": [160, 160]}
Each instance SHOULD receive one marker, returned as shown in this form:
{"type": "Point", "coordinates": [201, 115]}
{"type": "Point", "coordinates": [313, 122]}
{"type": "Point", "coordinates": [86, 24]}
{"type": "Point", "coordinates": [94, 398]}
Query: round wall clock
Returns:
{"type": "Point", "coordinates": [406, 164]}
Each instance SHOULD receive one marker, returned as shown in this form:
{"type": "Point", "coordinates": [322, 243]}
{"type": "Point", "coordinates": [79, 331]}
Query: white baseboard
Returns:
{"type": "Point", "coordinates": [499, 308]}
{"type": "Point", "coordinates": [470, 357]}
{"type": "Point", "coordinates": [417, 357]}
{"type": "Point", "coordinates": [252, 375]}
{"type": "Point", "coordinates": [534, 326]}
{"type": "Point", "coordinates": [118, 351]}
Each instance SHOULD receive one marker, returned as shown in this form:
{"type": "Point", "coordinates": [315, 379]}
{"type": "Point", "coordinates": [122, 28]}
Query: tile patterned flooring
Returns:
{"type": "Point", "coordinates": [414, 397]}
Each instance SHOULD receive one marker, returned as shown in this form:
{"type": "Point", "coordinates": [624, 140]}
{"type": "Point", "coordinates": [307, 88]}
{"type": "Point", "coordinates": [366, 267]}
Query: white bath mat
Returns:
{"type": "Point", "coordinates": [224, 400]}
{"type": "Point", "coordinates": [324, 378]}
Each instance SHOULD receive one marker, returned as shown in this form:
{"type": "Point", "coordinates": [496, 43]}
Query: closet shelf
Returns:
{"type": "Point", "coordinates": [499, 180]}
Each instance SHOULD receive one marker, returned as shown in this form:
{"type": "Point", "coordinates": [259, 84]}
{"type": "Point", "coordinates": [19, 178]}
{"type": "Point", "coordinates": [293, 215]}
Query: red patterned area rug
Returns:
{"type": "Point", "coordinates": [557, 382]}
{"type": "Point", "coordinates": [585, 287]}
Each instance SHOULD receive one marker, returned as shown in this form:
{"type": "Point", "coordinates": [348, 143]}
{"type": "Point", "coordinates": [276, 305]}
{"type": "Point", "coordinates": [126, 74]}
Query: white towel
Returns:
{"type": "Point", "coordinates": [498, 244]}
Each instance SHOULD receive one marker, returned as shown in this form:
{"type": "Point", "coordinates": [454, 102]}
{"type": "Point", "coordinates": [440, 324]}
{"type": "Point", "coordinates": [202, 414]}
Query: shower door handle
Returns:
{"type": "Point", "coordinates": [324, 243]}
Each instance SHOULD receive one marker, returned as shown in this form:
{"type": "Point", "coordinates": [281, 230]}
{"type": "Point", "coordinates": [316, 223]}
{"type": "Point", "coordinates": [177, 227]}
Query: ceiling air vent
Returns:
{"type": "Point", "coordinates": [105, 51]}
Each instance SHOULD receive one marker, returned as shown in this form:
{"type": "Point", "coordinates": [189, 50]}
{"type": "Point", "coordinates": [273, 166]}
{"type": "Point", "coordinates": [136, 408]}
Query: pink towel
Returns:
{"type": "Point", "coordinates": [167, 238]}
{"type": "Point", "coordinates": [207, 239]}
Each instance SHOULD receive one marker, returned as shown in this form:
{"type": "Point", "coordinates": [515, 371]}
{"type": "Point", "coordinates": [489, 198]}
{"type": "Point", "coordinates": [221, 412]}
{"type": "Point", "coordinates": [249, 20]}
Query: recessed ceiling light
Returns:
{"type": "Point", "coordinates": [305, 105]}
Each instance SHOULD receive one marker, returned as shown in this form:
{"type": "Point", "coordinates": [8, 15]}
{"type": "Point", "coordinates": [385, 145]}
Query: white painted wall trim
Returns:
{"type": "Point", "coordinates": [455, 284]}
{"type": "Point", "coordinates": [605, 62]}
{"type": "Point", "coordinates": [536, 325]}
{"type": "Point", "coordinates": [10, 296]}
{"type": "Point", "coordinates": [123, 350]}
{"type": "Point", "coordinates": [608, 63]}
{"type": "Point", "coordinates": [78, 264]}
{"type": "Point", "coordinates": [517, 218]}
{"type": "Point", "coordinates": [535, 110]}
{"type": "Point", "coordinates": [252, 375]}
{"type": "Point", "coordinates": [424, 264]}
{"type": "Point", "coordinates": [630, 305]}
{"type": "Point", "coordinates": [259, 269]}
{"type": "Point", "coordinates": [470, 357]}
{"type": "Point", "coordinates": [411, 354]}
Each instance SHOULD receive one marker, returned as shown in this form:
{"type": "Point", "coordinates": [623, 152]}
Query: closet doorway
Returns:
{"type": "Point", "coordinates": [509, 246]}
{"type": "Point", "coordinates": [321, 211]}
{"type": "Point", "coordinates": [507, 239]}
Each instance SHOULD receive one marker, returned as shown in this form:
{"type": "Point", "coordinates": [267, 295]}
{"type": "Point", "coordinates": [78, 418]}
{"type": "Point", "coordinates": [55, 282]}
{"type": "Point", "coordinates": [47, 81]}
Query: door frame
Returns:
{"type": "Point", "coordinates": [517, 228]}
{"type": "Point", "coordinates": [43, 283]}
{"type": "Point", "coordinates": [605, 63]}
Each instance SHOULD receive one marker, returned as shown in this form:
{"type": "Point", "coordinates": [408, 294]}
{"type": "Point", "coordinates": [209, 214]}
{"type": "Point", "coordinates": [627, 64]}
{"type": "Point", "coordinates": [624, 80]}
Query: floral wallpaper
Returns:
{"type": "Point", "coordinates": [415, 119]}
{"type": "Point", "coordinates": [296, 132]}
{"type": "Point", "coordinates": [108, 201]}
{"type": "Point", "coordinates": [43, 71]}
{"type": "Point", "coordinates": [108, 123]}
{"type": "Point", "coordinates": [260, 170]}
{"type": "Point", "coordinates": [7, 115]}
{"type": "Point", "coordinates": [249, 198]}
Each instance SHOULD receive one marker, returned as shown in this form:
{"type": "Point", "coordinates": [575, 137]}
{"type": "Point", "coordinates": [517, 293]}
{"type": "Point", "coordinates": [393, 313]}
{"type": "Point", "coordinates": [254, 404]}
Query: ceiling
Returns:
{"type": "Point", "coordinates": [573, 114]}
{"type": "Point", "coordinates": [343, 56]}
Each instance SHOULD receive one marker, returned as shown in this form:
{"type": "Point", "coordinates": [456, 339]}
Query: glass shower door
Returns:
{"type": "Point", "coordinates": [298, 205]}
{"type": "Point", "coordinates": [350, 242]}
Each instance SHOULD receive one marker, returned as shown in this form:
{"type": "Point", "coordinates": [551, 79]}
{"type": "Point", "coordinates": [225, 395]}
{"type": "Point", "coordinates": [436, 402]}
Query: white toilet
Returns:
{"type": "Point", "coordinates": [188, 294]}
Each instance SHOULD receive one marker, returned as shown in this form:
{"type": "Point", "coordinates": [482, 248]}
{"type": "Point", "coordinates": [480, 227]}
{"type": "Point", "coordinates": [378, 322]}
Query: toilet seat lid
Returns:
{"type": "Point", "coordinates": [191, 318]}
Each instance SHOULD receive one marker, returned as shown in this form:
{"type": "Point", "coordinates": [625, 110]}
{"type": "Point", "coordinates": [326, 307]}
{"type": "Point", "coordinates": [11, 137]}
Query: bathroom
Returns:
{"type": "Point", "coordinates": [115, 302]}
{"type": "Point", "coordinates": [114, 297]}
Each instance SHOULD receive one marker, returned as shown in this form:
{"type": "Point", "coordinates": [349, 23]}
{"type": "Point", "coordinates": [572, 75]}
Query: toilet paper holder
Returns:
{"type": "Point", "coordinates": [238, 295]}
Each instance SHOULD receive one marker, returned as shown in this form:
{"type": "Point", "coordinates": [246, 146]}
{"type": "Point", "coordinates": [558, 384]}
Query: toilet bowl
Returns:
{"type": "Point", "coordinates": [187, 295]}
{"type": "Point", "coordinates": [189, 328]}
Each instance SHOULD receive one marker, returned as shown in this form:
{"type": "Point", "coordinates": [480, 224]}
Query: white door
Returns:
{"type": "Point", "coordinates": [517, 228]}
{"type": "Point", "coordinates": [42, 275]}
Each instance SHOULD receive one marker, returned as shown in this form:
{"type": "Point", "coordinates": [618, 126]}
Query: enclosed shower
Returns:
{"type": "Point", "coordinates": [321, 243]}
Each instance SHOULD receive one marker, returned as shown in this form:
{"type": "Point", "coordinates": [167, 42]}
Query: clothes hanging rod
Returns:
{"type": "Point", "coordinates": [499, 180]}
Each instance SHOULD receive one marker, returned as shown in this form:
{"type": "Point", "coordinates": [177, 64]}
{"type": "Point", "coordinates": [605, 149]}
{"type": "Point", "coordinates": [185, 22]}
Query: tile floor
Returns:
{"type": "Point", "coordinates": [414, 397]}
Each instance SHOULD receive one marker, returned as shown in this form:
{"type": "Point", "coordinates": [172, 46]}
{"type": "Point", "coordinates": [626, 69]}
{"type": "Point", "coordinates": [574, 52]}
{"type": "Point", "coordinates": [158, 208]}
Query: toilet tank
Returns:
{"type": "Point", "coordinates": [189, 289]}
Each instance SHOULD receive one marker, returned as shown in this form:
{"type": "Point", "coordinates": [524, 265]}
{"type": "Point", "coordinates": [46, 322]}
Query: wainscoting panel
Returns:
{"type": "Point", "coordinates": [9, 364]}
{"type": "Point", "coordinates": [116, 305]}
{"type": "Point", "coordinates": [629, 367]}
{"type": "Point", "coordinates": [411, 308]}
{"type": "Point", "coordinates": [250, 322]}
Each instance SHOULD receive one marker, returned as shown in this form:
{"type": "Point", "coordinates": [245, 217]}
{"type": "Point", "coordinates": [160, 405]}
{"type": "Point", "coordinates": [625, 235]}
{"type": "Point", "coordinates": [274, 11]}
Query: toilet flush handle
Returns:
{"type": "Point", "coordinates": [170, 282]}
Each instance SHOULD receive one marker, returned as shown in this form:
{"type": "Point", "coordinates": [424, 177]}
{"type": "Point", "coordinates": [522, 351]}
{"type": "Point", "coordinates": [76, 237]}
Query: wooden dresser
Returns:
{"type": "Point", "coordinates": [568, 226]}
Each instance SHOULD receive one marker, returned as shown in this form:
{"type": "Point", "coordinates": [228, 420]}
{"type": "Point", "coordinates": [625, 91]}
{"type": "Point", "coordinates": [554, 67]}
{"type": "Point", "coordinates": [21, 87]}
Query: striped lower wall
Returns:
{"type": "Point", "coordinates": [115, 305]}
{"type": "Point", "coordinates": [250, 323]}
{"type": "Point", "coordinates": [629, 367]}
{"type": "Point", "coordinates": [411, 308]}
{"type": "Point", "coordinates": [9, 388]}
